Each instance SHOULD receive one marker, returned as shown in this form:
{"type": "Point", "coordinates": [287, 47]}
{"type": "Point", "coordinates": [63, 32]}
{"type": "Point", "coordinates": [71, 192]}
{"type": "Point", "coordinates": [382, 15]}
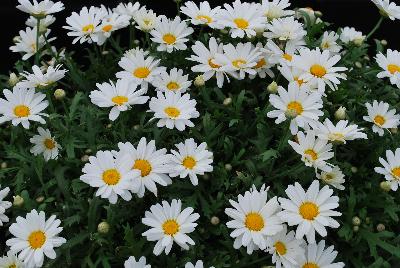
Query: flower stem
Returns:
{"type": "Point", "coordinates": [378, 24]}
{"type": "Point", "coordinates": [37, 42]}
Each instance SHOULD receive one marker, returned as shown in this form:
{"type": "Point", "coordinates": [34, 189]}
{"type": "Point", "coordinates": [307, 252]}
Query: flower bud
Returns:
{"type": "Point", "coordinates": [13, 80]}
{"type": "Point", "coordinates": [199, 81]}
{"type": "Point", "coordinates": [380, 227]}
{"type": "Point", "coordinates": [273, 87]}
{"type": "Point", "coordinates": [384, 42]}
{"type": "Point", "coordinates": [228, 167]}
{"type": "Point", "coordinates": [103, 227]}
{"type": "Point", "coordinates": [354, 169]}
{"type": "Point", "coordinates": [136, 127]}
{"type": "Point", "coordinates": [214, 220]}
{"type": "Point", "coordinates": [105, 52]}
{"type": "Point", "coordinates": [18, 201]}
{"type": "Point", "coordinates": [16, 39]}
{"type": "Point", "coordinates": [358, 64]}
{"type": "Point", "coordinates": [340, 113]}
{"type": "Point", "coordinates": [88, 151]}
{"type": "Point", "coordinates": [385, 186]}
{"type": "Point", "coordinates": [85, 158]}
{"type": "Point", "coordinates": [40, 199]}
{"type": "Point", "coordinates": [356, 228]}
{"type": "Point", "coordinates": [359, 41]}
{"type": "Point", "coordinates": [227, 101]}
{"type": "Point", "coordinates": [109, 126]}
{"type": "Point", "coordinates": [59, 94]}
{"type": "Point", "coordinates": [3, 165]}
{"type": "Point", "coordinates": [356, 221]}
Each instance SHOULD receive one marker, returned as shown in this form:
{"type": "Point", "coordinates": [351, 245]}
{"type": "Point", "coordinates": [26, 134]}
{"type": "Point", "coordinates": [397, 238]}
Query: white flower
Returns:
{"type": "Point", "coordinates": [110, 23]}
{"type": "Point", "coordinates": [254, 219]}
{"type": "Point", "coordinates": [311, 211]}
{"type": "Point", "coordinates": [278, 56]}
{"type": "Point", "coordinates": [318, 68]}
{"type": "Point", "coordinates": [328, 42]}
{"type": "Point", "coordinates": [22, 105]}
{"type": "Point", "coordinates": [202, 14]}
{"type": "Point", "coordinates": [349, 34]}
{"type": "Point", "coordinates": [113, 176]}
{"type": "Point", "coordinates": [169, 224]}
{"type": "Point", "coordinates": [293, 74]}
{"type": "Point", "coordinates": [44, 23]}
{"type": "Point", "coordinates": [206, 59]}
{"type": "Point", "coordinates": [296, 105]}
{"type": "Point", "coordinates": [11, 261]}
{"type": "Point", "coordinates": [381, 116]}
{"type": "Point", "coordinates": [390, 65]}
{"type": "Point", "coordinates": [317, 256]}
{"type": "Point", "coordinates": [121, 96]}
{"type": "Point", "coordinates": [275, 9]}
{"type": "Point", "coordinates": [85, 26]}
{"type": "Point", "coordinates": [334, 178]}
{"type": "Point", "coordinates": [128, 9]}
{"type": "Point", "coordinates": [342, 132]}
{"type": "Point", "coordinates": [285, 248]}
{"type": "Point", "coordinates": [173, 110]}
{"type": "Point", "coordinates": [173, 81]}
{"type": "Point", "coordinates": [45, 144]}
{"type": "Point", "coordinates": [147, 20]}
{"type": "Point", "coordinates": [242, 58]}
{"type": "Point", "coordinates": [388, 9]}
{"type": "Point", "coordinates": [263, 66]}
{"type": "Point", "coordinates": [27, 42]}
{"type": "Point", "coordinates": [285, 29]}
{"type": "Point", "coordinates": [39, 79]}
{"type": "Point", "coordinates": [140, 68]}
{"type": "Point", "coordinates": [242, 19]}
{"type": "Point", "coordinates": [198, 264]}
{"type": "Point", "coordinates": [314, 151]}
{"type": "Point", "coordinates": [151, 163]}
{"type": "Point", "coordinates": [40, 9]}
{"type": "Point", "coordinates": [191, 160]}
{"type": "Point", "coordinates": [171, 34]}
{"type": "Point", "coordinates": [35, 237]}
{"type": "Point", "coordinates": [132, 263]}
{"type": "Point", "coordinates": [4, 205]}
{"type": "Point", "coordinates": [391, 168]}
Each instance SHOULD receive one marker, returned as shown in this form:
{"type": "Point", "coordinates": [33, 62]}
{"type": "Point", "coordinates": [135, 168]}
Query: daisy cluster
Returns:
{"type": "Point", "coordinates": [241, 42]}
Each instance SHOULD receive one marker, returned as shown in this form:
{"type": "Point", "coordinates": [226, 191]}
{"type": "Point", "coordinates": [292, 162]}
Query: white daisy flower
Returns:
{"type": "Point", "coordinates": [390, 65]}
{"type": "Point", "coordinates": [391, 168]}
{"type": "Point", "coordinates": [382, 118]}
{"type": "Point", "coordinates": [4, 205]}
{"type": "Point", "coordinates": [205, 56]}
{"type": "Point", "coordinates": [202, 14]}
{"type": "Point", "coordinates": [342, 132]}
{"type": "Point", "coordinates": [329, 42]}
{"type": "Point", "coordinates": [121, 96]}
{"type": "Point", "coordinates": [314, 151]}
{"type": "Point", "coordinates": [45, 144]}
{"type": "Point", "coordinates": [86, 25]}
{"type": "Point", "coordinates": [35, 237]}
{"type": "Point", "coordinates": [136, 51]}
{"type": "Point", "coordinates": [40, 9]}
{"type": "Point", "coordinates": [334, 178]}
{"type": "Point", "coordinates": [169, 224]}
{"type": "Point", "coordinates": [171, 34]}
{"type": "Point", "coordinates": [350, 35]}
{"type": "Point", "coordinates": [173, 110]}
{"type": "Point", "coordinates": [27, 42]}
{"type": "Point", "coordinates": [128, 9]}
{"type": "Point", "coordinates": [388, 9]}
{"type": "Point", "coordinates": [198, 264]}
{"type": "Point", "coordinates": [254, 219]}
{"type": "Point", "coordinates": [285, 29]}
{"type": "Point", "coordinates": [11, 261]}
{"type": "Point", "coordinates": [140, 68]}
{"type": "Point", "coordinates": [285, 248]}
{"type": "Point", "coordinates": [110, 23]}
{"type": "Point", "coordinates": [113, 176]}
{"type": "Point", "coordinates": [275, 9]}
{"type": "Point", "coordinates": [23, 105]}
{"type": "Point", "coordinates": [311, 211]}
{"type": "Point", "coordinates": [173, 81]}
{"type": "Point", "coordinates": [239, 60]}
{"type": "Point", "coordinates": [190, 160]}
{"type": "Point", "coordinates": [297, 105]}
{"type": "Point", "coordinates": [151, 163]}
{"type": "Point", "coordinates": [293, 74]}
{"type": "Point", "coordinates": [44, 23]}
{"type": "Point", "coordinates": [319, 68]}
{"type": "Point", "coordinates": [146, 20]}
{"type": "Point", "coordinates": [263, 66]}
{"type": "Point", "coordinates": [279, 56]}
{"type": "Point", "coordinates": [317, 256]}
{"type": "Point", "coordinates": [140, 263]}
{"type": "Point", "coordinates": [39, 79]}
{"type": "Point", "coordinates": [242, 19]}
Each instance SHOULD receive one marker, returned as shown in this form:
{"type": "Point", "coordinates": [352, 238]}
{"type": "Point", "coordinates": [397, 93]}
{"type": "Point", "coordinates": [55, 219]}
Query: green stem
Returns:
{"type": "Point", "coordinates": [37, 41]}
{"type": "Point", "coordinates": [378, 24]}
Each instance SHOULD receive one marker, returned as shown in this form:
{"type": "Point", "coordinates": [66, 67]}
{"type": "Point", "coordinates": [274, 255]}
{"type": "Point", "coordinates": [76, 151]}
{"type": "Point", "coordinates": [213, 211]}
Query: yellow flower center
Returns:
{"type": "Point", "coordinates": [295, 107]}
{"type": "Point", "coordinates": [172, 86]}
{"type": "Point", "coordinates": [22, 111]}
{"type": "Point", "coordinates": [254, 221]}
{"type": "Point", "coordinates": [172, 112]}
{"type": "Point", "coordinates": [141, 72]}
{"type": "Point", "coordinates": [299, 81]}
{"type": "Point", "coordinates": [379, 120]}
{"type": "Point", "coordinates": [107, 28]}
{"type": "Point", "coordinates": [260, 63]}
{"type": "Point", "coordinates": [241, 23]}
{"type": "Point", "coordinates": [310, 265]}
{"type": "Point", "coordinates": [309, 210]}
{"type": "Point", "coordinates": [393, 68]}
{"type": "Point", "coordinates": [280, 248]}
{"type": "Point", "coordinates": [327, 177]}
{"type": "Point", "coordinates": [169, 39]}
{"type": "Point", "coordinates": [213, 65]}
{"type": "Point", "coordinates": [318, 70]}
{"type": "Point", "coordinates": [238, 63]}
{"type": "Point", "coordinates": [170, 227]}
{"type": "Point", "coordinates": [189, 162]}
{"type": "Point", "coordinates": [111, 176]}
{"type": "Point", "coordinates": [205, 18]}
{"type": "Point", "coordinates": [147, 22]}
{"type": "Point", "coordinates": [396, 172]}
{"type": "Point", "coordinates": [119, 100]}
{"type": "Point", "coordinates": [287, 57]}
{"type": "Point", "coordinates": [88, 28]}
{"type": "Point", "coordinates": [49, 144]}
{"type": "Point", "coordinates": [336, 136]}
{"type": "Point", "coordinates": [144, 166]}
{"type": "Point", "coordinates": [12, 266]}
{"type": "Point", "coordinates": [36, 239]}
{"type": "Point", "coordinates": [311, 153]}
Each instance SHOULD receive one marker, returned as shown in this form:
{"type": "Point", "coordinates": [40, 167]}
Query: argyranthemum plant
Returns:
{"type": "Point", "coordinates": [238, 135]}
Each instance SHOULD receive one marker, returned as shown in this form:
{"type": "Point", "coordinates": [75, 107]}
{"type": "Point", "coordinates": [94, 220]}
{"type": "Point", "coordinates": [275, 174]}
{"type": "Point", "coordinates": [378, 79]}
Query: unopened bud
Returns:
{"type": "Point", "coordinates": [85, 158]}
{"type": "Point", "coordinates": [136, 127]}
{"type": "Point", "coordinates": [214, 220]}
{"type": "Point", "coordinates": [384, 42]}
{"type": "Point", "coordinates": [88, 151]}
{"type": "Point", "coordinates": [105, 52]}
{"type": "Point", "coordinates": [13, 80]}
{"type": "Point", "coordinates": [228, 167]}
{"type": "Point", "coordinates": [227, 101]}
{"type": "Point", "coordinates": [40, 199]}
{"type": "Point", "coordinates": [354, 169]}
{"type": "Point", "coordinates": [109, 126]}
{"type": "Point", "coordinates": [103, 227]}
{"type": "Point", "coordinates": [4, 165]}
{"type": "Point", "coordinates": [358, 64]}
{"type": "Point", "coordinates": [385, 186]}
{"type": "Point", "coordinates": [359, 41]}
{"type": "Point", "coordinates": [59, 94]}
{"type": "Point", "coordinates": [199, 81]}
{"type": "Point", "coordinates": [273, 87]}
{"type": "Point", "coordinates": [18, 201]}
{"type": "Point", "coordinates": [340, 113]}
{"type": "Point", "coordinates": [356, 221]}
{"type": "Point", "coordinates": [380, 227]}
{"type": "Point", "coordinates": [356, 228]}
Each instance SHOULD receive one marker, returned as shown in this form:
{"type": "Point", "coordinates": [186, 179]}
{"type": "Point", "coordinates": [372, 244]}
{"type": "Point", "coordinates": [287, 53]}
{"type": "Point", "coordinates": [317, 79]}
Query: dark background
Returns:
{"type": "Point", "coordinates": [361, 14]}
